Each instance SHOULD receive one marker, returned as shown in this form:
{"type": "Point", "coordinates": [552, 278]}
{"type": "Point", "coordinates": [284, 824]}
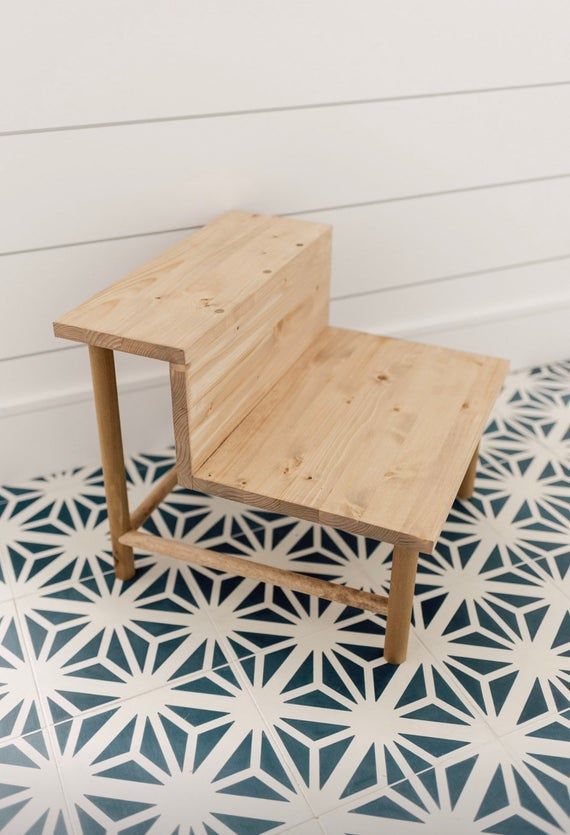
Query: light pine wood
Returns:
{"type": "Point", "coordinates": [159, 492]}
{"type": "Point", "coordinates": [468, 484]}
{"type": "Point", "coordinates": [369, 434]}
{"type": "Point", "coordinates": [243, 289]}
{"type": "Point", "coordinates": [400, 601]}
{"type": "Point", "coordinates": [236, 363]}
{"type": "Point", "coordinates": [203, 284]}
{"type": "Point", "coordinates": [273, 407]}
{"type": "Point", "coordinates": [180, 393]}
{"type": "Point", "coordinates": [112, 460]}
{"type": "Point", "coordinates": [245, 567]}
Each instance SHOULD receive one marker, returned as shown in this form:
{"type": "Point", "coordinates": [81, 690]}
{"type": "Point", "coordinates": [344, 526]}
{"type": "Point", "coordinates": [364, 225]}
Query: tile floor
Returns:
{"type": "Point", "coordinates": [189, 701]}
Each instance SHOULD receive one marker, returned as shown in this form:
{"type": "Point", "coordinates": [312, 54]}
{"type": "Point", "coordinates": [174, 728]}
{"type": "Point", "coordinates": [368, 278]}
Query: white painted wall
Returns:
{"type": "Point", "coordinates": [433, 136]}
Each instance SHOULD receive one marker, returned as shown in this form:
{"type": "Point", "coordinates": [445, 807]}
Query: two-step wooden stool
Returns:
{"type": "Point", "coordinates": [275, 408]}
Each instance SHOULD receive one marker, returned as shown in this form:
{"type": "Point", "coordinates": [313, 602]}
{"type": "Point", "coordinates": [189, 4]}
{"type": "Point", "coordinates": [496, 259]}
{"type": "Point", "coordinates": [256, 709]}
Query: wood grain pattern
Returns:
{"type": "Point", "coordinates": [274, 408]}
{"type": "Point", "coordinates": [150, 502]}
{"type": "Point", "coordinates": [452, 234]}
{"type": "Point", "coordinates": [235, 364]}
{"type": "Point", "coordinates": [468, 484]}
{"type": "Point", "coordinates": [242, 289]}
{"type": "Point", "coordinates": [197, 287]}
{"type": "Point", "coordinates": [112, 459]}
{"type": "Point", "coordinates": [402, 582]}
{"type": "Point", "coordinates": [366, 433]}
{"type": "Point", "coordinates": [180, 394]}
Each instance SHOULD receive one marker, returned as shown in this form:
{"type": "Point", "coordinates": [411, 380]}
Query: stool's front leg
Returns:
{"type": "Point", "coordinates": [111, 443]}
{"type": "Point", "coordinates": [400, 600]}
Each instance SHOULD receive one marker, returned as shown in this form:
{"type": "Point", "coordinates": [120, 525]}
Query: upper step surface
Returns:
{"type": "Point", "coordinates": [202, 284]}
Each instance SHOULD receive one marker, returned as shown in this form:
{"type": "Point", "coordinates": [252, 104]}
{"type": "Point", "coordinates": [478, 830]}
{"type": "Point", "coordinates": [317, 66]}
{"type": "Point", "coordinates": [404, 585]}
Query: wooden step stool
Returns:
{"type": "Point", "coordinates": [275, 408]}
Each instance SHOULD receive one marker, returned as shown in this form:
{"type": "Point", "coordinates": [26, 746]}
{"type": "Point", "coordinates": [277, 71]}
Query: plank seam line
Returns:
{"type": "Point", "coordinates": [223, 114]}
{"type": "Point", "coordinates": [318, 210]}
{"type": "Point", "coordinates": [516, 265]}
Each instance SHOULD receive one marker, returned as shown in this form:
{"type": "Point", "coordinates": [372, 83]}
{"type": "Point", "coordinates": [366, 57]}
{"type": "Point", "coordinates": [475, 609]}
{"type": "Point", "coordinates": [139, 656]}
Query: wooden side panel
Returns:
{"type": "Point", "coordinates": [235, 365]}
{"type": "Point", "coordinates": [180, 411]}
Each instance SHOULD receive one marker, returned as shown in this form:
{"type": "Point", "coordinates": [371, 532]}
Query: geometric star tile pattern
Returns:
{"type": "Point", "coordinates": [195, 702]}
{"type": "Point", "coordinates": [503, 787]}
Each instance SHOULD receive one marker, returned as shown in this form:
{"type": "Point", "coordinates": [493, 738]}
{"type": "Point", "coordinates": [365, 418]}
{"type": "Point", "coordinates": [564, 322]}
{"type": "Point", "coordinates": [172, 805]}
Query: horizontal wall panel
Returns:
{"type": "Point", "coordinates": [33, 382]}
{"type": "Point", "coordinates": [75, 63]}
{"type": "Point", "coordinates": [63, 278]}
{"type": "Point", "coordinates": [64, 436]}
{"type": "Point", "coordinates": [415, 241]}
{"type": "Point", "coordinates": [534, 338]}
{"type": "Point", "coordinates": [383, 245]}
{"type": "Point", "coordinates": [82, 185]}
{"type": "Point", "coordinates": [462, 302]}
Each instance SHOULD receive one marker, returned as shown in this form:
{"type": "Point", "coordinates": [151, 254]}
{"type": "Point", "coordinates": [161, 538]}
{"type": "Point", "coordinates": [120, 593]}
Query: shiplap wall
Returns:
{"type": "Point", "coordinates": [433, 136]}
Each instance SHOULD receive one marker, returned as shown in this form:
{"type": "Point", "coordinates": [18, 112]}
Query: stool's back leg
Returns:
{"type": "Point", "coordinates": [400, 599]}
{"type": "Point", "coordinates": [111, 443]}
{"type": "Point", "coordinates": [468, 483]}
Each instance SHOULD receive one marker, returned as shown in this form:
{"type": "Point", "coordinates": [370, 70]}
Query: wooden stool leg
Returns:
{"type": "Point", "coordinates": [404, 564]}
{"type": "Point", "coordinates": [111, 443]}
{"type": "Point", "coordinates": [468, 483]}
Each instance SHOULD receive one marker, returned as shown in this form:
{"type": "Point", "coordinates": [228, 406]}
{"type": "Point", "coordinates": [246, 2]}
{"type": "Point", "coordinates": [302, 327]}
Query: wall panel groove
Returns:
{"type": "Point", "coordinates": [286, 108]}
{"type": "Point", "coordinates": [298, 213]}
{"type": "Point", "coordinates": [129, 180]}
{"type": "Point", "coordinates": [77, 63]}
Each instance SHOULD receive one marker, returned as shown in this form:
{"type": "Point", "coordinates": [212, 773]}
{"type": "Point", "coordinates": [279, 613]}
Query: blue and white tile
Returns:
{"type": "Point", "coordinates": [342, 716]}
{"type": "Point", "coordinates": [20, 711]}
{"type": "Point", "coordinates": [310, 827]}
{"type": "Point", "coordinates": [467, 734]}
{"type": "Point", "coordinates": [23, 552]}
{"type": "Point", "coordinates": [505, 525]}
{"type": "Point", "coordinates": [54, 529]}
{"type": "Point", "coordinates": [253, 617]}
{"type": "Point", "coordinates": [31, 795]}
{"type": "Point", "coordinates": [536, 491]}
{"type": "Point", "coordinates": [502, 632]}
{"type": "Point", "coordinates": [189, 514]}
{"type": "Point", "coordinates": [517, 788]}
{"type": "Point", "coordinates": [97, 640]}
{"type": "Point", "coordinates": [555, 568]}
{"type": "Point", "coordinates": [193, 758]}
{"type": "Point", "coordinates": [531, 417]}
